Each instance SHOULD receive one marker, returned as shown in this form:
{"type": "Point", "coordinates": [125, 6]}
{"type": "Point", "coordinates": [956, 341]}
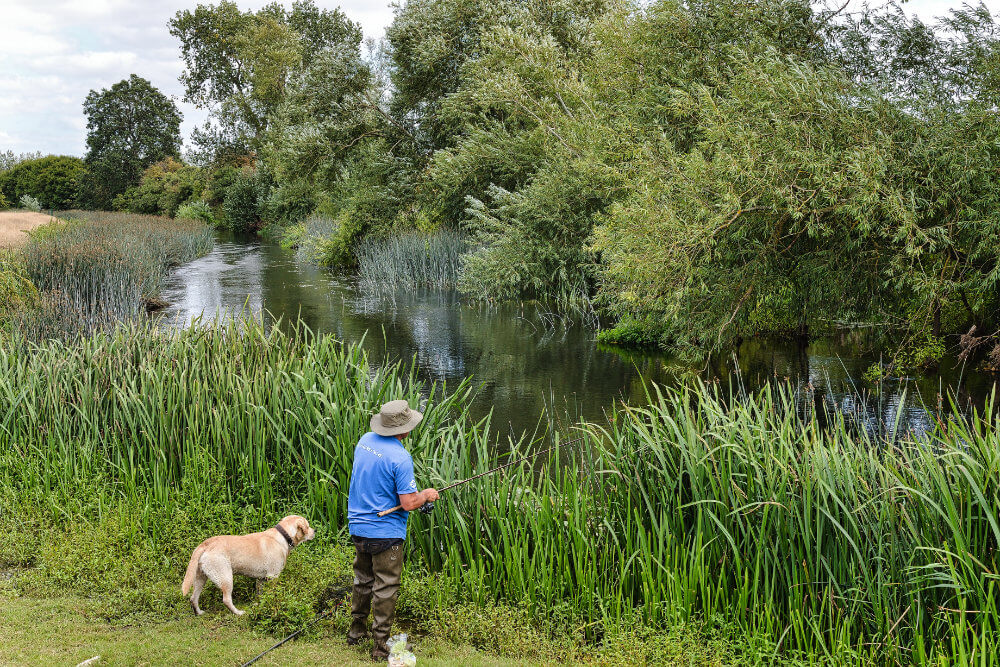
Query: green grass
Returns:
{"type": "Point", "coordinates": [63, 631]}
{"type": "Point", "coordinates": [737, 518]}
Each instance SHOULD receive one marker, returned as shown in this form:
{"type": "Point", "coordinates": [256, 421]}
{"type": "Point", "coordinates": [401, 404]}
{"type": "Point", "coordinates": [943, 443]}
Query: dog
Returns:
{"type": "Point", "coordinates": [260, 555]}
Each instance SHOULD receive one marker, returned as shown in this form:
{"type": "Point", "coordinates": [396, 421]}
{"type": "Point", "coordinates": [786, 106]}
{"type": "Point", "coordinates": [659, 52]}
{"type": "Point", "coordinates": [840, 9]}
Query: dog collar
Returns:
{"type": "Point", "coordinates": [285, 535]}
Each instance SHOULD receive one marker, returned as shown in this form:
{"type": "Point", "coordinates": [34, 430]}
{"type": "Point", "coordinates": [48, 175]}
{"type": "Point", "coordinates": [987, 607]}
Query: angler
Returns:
{"type": "Point", "coordinates": [382, 476]}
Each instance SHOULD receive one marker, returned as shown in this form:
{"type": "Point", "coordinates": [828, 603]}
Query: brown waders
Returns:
{"type": "Point", "coordinates": [378, 567]}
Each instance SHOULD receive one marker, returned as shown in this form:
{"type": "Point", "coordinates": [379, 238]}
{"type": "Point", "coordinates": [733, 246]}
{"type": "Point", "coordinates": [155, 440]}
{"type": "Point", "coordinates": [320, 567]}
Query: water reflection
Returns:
{"type": "Point", "coordinates": [522, 363]}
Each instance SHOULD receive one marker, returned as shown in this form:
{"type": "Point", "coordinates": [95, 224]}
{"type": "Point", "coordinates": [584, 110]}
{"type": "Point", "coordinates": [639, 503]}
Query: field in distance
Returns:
{"type": "Point", "coordinates": [14, 224]}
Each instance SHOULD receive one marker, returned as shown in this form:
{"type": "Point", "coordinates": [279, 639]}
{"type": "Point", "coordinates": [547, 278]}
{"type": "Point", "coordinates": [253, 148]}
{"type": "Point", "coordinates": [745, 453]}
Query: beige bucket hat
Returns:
{"type": "Point", "coordinates": [395, 418]}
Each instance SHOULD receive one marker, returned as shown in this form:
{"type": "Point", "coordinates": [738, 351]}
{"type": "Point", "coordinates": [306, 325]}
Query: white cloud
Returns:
{"type": "Point", "coordinates": [53, 52]}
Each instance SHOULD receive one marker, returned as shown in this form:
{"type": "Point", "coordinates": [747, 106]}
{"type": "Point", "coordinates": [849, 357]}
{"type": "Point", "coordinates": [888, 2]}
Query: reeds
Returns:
{"type": "Point", "coordinates": [411, 259]}
{"type": "Point", "coordinates": [108, 266]}
{"type": "Point", "coordinates": [693, 507]}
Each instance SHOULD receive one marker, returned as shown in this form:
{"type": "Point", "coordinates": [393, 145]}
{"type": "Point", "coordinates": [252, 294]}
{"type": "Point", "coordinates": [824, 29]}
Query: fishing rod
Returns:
{"type": "Point", "coordinates": [430, 506]}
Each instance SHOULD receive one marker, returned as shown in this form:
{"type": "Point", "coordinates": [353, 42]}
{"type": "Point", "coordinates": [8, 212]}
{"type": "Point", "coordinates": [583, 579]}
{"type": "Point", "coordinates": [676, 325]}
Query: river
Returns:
{"type": "Point", "coordinates": [525, 361]}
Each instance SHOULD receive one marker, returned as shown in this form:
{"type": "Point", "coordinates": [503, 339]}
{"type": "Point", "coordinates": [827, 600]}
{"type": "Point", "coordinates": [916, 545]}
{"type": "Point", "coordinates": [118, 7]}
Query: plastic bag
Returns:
{"type": "Point", "coordinates": [399, 652]}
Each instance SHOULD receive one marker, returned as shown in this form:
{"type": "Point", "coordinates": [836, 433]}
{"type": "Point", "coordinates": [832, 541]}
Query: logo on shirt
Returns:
{"type": "Point", "coordinates": [369, 449]}
{"type": "Point", "coordinates": [413, 483]}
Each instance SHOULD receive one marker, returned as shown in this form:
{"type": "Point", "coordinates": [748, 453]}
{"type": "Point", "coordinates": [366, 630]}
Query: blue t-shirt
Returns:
{"type": "Point", "coordinates": [383, 470]}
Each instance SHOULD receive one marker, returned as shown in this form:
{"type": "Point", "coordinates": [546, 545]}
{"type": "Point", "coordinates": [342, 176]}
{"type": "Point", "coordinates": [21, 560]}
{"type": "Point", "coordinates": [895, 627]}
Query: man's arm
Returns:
{"type": "Point", "coordinates": [412, 501]}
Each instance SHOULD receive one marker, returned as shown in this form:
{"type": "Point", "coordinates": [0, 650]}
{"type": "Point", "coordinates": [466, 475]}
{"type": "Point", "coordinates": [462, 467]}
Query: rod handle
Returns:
{"type": "Point", "coordinates": [390, 511]}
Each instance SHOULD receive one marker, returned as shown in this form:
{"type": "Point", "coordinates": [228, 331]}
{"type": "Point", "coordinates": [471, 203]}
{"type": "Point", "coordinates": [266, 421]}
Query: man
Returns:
{"type": "Point", "coordinates": [382, 478]}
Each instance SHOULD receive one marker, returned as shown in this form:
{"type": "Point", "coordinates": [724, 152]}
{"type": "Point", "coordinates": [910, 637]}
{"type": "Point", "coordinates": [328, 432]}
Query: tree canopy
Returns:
{"type": "Point", "coordinates": [238, 63]}
{"type": "Point", "coordinates": [129, 127]}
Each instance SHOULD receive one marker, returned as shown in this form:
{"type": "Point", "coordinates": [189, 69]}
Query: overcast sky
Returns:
{"type": "Point", "coordinates": [52, 52]}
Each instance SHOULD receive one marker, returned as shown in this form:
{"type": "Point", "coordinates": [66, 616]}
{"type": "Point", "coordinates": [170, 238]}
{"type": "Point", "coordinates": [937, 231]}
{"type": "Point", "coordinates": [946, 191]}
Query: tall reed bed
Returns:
{"type": "Point", "coordinates": [108, 266]}
{"type": "Point", "coordinates": [411, 259]}
{"type": "Point", "coordinates": [694, 507]}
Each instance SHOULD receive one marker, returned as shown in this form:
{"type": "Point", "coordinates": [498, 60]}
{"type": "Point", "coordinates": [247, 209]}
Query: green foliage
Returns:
{"type": "Point", "coordinates": [163, 188]}
{"type": "Point", "coordinates": [288, 203]}
{"type": "Point", "coordinates": [218, 182]}
{"type": "Point", "coordinates": [52, 180]}
{"type": "Point", "coordinates": [237, 64]}
{"type": "Point", "coordinates": [746, 483]}
{"type": "Point", "coordinates": [29, 203]}
{"type": "Point", "coordinates": [196, 210]}
{"type": "Point", "coordinates": [292, 236]}
{"type": "Point", "coordinates": [17, 293]}
{"type": "Point", "coordinates": [9, 159]}
{"type": "Point", "coordinates": [410, 259]}
{"type": "Point", "coordinates": [4, 204]}
{"type": "Point", "coordinates": [242, 204]}
{"type": "Point", "coordinates": [632, 333]}
{"type": "Point", "coordinates": [130, 126]}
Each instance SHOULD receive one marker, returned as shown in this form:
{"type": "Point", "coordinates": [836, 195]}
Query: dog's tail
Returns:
{"type": "Point", "coordinates": [192, 570]}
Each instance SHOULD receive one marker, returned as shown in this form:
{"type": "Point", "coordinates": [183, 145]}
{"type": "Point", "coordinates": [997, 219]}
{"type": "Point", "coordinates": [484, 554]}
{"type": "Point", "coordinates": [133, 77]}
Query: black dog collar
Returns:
{"type": "Point", "coordinates": [284, 535]}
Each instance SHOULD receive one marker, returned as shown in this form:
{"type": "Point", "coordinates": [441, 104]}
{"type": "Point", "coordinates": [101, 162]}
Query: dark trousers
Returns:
{"type": "Point", "coordinates": [378, 568]}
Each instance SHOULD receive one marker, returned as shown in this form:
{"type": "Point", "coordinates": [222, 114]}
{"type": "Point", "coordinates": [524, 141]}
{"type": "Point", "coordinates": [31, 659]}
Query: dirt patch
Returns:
{"type": "Point", "coordinates": [14, 224]}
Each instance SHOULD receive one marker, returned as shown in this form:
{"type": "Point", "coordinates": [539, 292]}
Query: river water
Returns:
{"type": "Point", "coordinates": [525, 360]}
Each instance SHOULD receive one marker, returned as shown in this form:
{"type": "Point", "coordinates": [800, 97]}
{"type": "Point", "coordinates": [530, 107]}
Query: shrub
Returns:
{"type": "Point", "coordinates": [164, 187]}
{"type": "Point", "coordinates": [30, 203]}
{"type": "Point", "coordinates": [4, 204]}
{"type": "Point", "coordinates": [632, 333]}
{"type": "Point", "coordinates": [196, 210]}
{"type": "Point", "coordinates": [53, 180]}
{"type": "Point", "coordinates": [288, 204]}
{"type": "Point", "coordinates": [242, 205]}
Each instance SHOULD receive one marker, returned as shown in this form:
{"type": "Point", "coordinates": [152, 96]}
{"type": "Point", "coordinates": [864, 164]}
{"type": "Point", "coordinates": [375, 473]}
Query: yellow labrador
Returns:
{"type": "Point", "coordinates": [259, 555]}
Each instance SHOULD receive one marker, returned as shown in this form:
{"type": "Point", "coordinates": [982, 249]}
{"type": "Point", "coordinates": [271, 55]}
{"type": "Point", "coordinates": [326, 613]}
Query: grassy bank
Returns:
{"type": "Point", "coordinates": [103, 267]}
{"type": "Point", "coordinates": [758, 532]}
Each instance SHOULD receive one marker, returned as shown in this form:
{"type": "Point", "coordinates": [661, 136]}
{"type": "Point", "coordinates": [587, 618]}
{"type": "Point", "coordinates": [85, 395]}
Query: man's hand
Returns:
{"type": "Point", "coordinates": [412, 501]}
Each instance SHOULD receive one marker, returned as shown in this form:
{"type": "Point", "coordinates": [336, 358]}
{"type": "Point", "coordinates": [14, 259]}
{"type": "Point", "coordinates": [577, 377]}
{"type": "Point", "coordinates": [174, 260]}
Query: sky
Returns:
{"type": "Point", "coordinates": [53, 52]}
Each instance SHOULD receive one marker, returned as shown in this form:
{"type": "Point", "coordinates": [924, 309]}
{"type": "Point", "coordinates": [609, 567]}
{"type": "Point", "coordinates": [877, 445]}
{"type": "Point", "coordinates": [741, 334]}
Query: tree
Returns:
{"type": "Point", "coordinates": [238, 64]}
{"type": "Point", "coordinates": [52, 180]}
{"type": "Point", "coordinates": [129, 127]}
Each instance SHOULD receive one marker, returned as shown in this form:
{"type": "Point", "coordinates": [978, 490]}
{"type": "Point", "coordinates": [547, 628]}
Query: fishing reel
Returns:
{"type": "Point", "coordinates": [426, 508]}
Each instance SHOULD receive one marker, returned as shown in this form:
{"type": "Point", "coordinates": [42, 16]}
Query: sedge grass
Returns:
{"type": "Point", "coordinates": [108, 266]}
{"type": "Point", "coordinates": [690, 509]}
{"type": "Point", "coordinates": [411, 259]}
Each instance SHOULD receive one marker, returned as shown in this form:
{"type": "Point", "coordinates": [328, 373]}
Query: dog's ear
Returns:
{"type": "Point", "coordinates": [301, 528]}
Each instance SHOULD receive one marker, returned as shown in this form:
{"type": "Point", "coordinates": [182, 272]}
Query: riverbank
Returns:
{"type": "Point", "coordinates": [93, 586]}
{"type": "Point", "coordinates": [63, 630]}
{"type": "Point", "coordinates": [91, 270]}
{"type": "Point", "coordinates": [741, 517]}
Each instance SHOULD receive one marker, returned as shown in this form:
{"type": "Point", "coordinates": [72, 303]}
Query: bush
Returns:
{"type": "Point", "coordinates": [242, 205]}
{"type": "Point", "coordinates": [53, 180]}
{"type": "Point", "coordinates": [633, 333]}
{"type": "Point", "coordinates": [30, 203]}
{"type": "Point", "coordinates": [196, 210]}
{"type": "Point", "coordinates": [4, 204]}
{"type": "Point", "coordinates": [164, 187]}
{"type": "Point", "coordinates": [288, 204]}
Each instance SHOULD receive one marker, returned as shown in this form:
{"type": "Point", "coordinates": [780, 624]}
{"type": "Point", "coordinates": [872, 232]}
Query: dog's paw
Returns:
{"type": "Point", "coordinates": [238, 612]}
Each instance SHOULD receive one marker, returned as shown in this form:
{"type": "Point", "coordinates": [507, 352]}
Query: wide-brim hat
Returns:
{"type": "Point", "coordinates": [395, 418]}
